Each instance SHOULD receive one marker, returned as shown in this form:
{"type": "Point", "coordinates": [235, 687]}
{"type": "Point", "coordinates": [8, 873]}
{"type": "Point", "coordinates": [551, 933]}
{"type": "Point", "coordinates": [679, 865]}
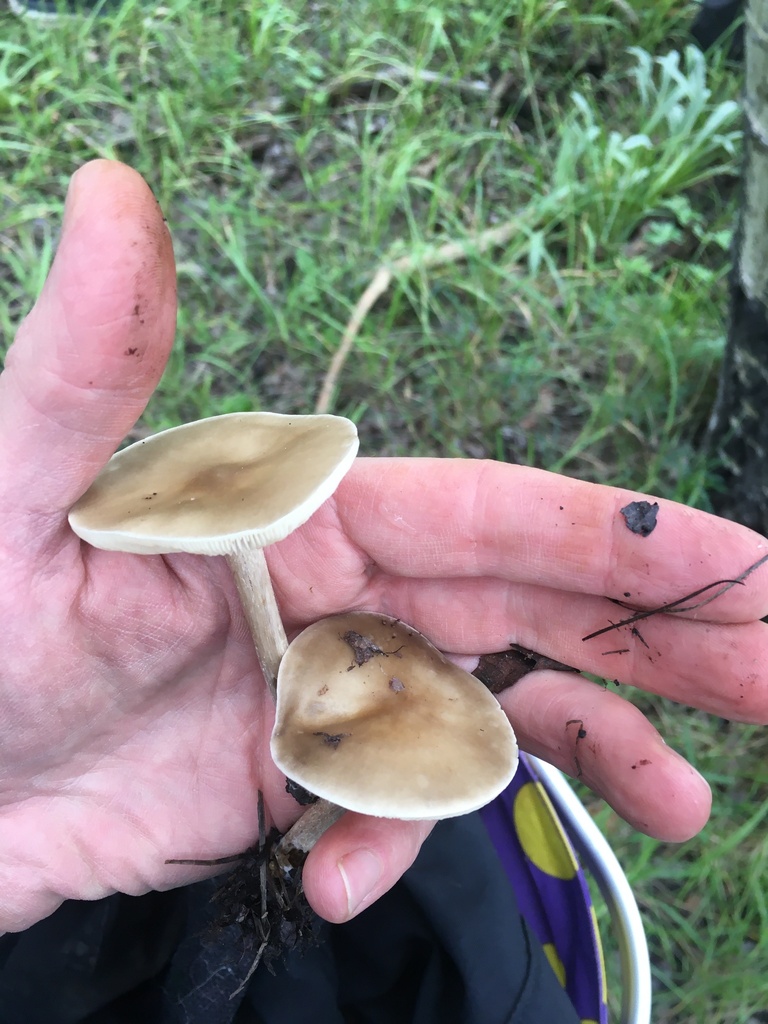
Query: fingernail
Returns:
{"type": "Point", "coordinates": [360, 872]}
{"type": "Point", "coordinates": [70, 200]}
{"type": "Point", "coordinates": [703, 778]}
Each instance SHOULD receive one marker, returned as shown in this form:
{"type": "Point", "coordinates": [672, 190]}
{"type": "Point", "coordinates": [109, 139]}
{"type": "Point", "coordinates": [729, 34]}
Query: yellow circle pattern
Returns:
{"type": "Point", "coordinates": [539, 833]}
{"type": "Point", "coordinates": [555, 962]}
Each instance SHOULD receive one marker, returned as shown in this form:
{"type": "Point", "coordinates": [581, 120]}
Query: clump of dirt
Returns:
{"type": "Point", "coordinates": [267, 904]}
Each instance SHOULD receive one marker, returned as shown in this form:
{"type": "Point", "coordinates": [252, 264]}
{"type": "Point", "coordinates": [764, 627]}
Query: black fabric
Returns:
{"type": "Point", "coordinates": [445, 946]}
{"type": "Point", "coordinates": [713, 20]}
{"type": "Point", "coordinates": [85, 957]}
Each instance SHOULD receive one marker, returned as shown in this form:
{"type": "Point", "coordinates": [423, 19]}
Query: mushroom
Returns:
{"type": "Point", "coordinates": [370, 716]}
{"type": "Point", "coordinates": [373, 718]}
{"type": "Point", "coordinates": [229, 485]}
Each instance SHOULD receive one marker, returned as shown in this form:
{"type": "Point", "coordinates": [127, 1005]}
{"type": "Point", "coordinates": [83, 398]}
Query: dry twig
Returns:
{"type": "Point", "coordinates": [433, 256]}
{"type": "Point", "coordinates": [678, 606]}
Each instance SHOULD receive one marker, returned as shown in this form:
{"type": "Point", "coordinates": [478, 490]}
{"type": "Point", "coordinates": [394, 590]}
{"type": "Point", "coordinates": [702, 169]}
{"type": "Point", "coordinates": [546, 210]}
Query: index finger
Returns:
{"type": "Point", "coordinates": [437, 518]}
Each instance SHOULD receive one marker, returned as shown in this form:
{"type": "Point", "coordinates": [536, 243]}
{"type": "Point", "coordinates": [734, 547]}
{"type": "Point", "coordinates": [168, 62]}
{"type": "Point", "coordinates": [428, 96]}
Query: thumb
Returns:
{"type": "Point", "coordinates": [90, 353]}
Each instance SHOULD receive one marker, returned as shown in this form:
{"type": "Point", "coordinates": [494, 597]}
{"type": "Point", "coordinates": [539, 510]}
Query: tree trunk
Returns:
{"type": "Point", "coordinates": [738, 430]}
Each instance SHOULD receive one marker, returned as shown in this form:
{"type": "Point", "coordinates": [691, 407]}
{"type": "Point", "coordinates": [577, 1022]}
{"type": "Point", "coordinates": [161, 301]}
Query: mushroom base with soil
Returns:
{"type": "Point", "coordinates": [266, 903]}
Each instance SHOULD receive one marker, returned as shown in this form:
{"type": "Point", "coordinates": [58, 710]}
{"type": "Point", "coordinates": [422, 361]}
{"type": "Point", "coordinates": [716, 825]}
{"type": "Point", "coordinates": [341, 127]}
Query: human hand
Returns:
{"type": "Point", "coordinates": [135, 723]}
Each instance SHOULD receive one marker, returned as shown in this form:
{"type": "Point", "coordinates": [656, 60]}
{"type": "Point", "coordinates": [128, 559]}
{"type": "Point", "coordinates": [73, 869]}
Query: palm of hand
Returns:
{"type": "Point", "coordinates": [143, 732]}
{"type": "Point", "coordinates": [151, 734]}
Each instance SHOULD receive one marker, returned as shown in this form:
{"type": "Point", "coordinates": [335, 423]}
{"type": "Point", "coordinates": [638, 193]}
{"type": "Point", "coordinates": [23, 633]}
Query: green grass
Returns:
{"type": "Point", "coordinates": [296, 148]}
{"type": "Point", "coordinates": [704, 902]}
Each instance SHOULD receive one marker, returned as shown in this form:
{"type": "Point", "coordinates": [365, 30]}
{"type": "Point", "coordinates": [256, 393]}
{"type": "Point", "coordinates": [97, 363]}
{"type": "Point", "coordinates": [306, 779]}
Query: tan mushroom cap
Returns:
{"type": "Point", "coordinates": [405, 734]}
{"type": "Point", "coordinates": [218, 485]}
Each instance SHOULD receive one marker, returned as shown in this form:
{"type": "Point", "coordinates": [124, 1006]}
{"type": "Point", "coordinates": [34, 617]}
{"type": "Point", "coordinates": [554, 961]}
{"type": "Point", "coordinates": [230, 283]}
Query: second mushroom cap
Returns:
{"type": "Point", "coordinates": [371, 716]}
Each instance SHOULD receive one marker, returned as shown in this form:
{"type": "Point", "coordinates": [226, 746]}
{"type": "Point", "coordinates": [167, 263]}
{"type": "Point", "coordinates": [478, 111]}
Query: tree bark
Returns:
{"type": "Point", "coordinates": [738, 429]}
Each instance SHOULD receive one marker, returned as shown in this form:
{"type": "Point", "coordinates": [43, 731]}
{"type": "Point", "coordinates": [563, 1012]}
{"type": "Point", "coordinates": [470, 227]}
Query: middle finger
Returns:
{"type": "Point", "coordinates": [712, 666]}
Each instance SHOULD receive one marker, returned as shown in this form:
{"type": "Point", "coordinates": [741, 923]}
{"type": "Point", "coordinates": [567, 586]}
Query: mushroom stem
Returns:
{"type": "Point", "coordinates": [249, 568]}
{"type": "Point", "coordinates": [257, 596]}
{"type": "Point", "coordinates": [303, 835]}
